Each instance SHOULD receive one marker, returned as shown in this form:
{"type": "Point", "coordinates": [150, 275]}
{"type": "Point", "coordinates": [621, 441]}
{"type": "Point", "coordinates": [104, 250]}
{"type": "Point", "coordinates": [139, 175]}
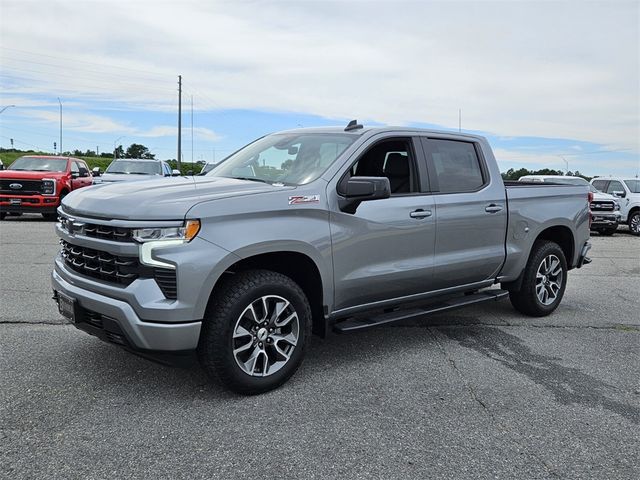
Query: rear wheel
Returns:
{"type": "Point", "coordinates": [255, 331]}
{"type": "Point", "coordinates": [3, 215]}
{"type": "Point", "coordinates": [544, 281]}
{"type": "Point", "coordinates": [634, 223]}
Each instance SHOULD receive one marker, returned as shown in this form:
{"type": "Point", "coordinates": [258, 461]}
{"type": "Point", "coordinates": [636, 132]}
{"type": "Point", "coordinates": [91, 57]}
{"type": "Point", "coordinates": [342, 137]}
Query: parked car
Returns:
{"type": "Point", "coordinates": [1, 165]}
{"type": "Point", "coordinates": [605, 209]}
{"type": "Point", "coordinates": [129, 169]}
{"type": "Point", "coordinates": [627, 189]}
{"type": "Point", "coordinates": [311, 230]}
{"type": "Point", "coordinates": [38, 183]}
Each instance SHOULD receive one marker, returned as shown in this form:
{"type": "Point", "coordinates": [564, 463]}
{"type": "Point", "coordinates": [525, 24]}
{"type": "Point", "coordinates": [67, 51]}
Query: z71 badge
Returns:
{"type": "Point", "coordinates": [298, 199]}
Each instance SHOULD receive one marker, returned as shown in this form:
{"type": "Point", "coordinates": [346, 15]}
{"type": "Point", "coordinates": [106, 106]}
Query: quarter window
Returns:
{"type": "Point", "coordinates": [457, 166]}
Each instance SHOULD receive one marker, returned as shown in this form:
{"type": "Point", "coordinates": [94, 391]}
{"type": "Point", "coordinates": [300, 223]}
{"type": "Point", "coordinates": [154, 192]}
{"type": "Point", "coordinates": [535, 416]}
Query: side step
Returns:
{"type": "Point", "coordinates": [362, 322]}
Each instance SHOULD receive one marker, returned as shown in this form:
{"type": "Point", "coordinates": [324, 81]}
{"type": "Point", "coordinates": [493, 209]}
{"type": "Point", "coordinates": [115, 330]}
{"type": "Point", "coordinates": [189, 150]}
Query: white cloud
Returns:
{"type": "Point", "coordinates": [559, 70]}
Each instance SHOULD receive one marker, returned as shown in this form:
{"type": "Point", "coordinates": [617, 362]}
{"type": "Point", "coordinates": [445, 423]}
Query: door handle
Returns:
{"type": "Point", "coordinates": [420, 213]}
{"type": "Point", "coordinates": [493, 208]}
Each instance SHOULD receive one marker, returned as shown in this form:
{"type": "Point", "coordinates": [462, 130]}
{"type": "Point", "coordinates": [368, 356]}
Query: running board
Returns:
{"type": "Point", "coordinates": [361, 322]}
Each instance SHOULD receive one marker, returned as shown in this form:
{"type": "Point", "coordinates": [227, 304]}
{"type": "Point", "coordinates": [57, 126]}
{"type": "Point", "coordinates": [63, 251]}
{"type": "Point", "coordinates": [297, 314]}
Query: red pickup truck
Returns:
{"type": "Point", "coordinates": [37, 184]}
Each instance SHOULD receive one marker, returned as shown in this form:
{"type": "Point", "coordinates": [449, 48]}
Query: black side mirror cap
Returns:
{"type": "Point", "coordinates": [355, 190]}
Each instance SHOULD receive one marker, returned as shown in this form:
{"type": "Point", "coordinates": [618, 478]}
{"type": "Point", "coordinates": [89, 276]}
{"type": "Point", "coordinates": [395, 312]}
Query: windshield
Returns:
{"type": "Point", "coordinates": [131, 167]}
{"type": "Point", "coordinates": [633, 185]}
{"type": "Point", "coordinates": [290, 159]}
{"type": "Point", "coordinates": [40, 164]}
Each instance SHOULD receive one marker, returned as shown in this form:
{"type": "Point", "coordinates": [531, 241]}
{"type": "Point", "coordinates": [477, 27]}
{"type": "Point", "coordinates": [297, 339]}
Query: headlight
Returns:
{"type": "Point", "coordinates": [616, 206]}
{"type": "Point", "coordinates": [185, 233]}
{"type": "Point", "coordinates": [153, 238]}
{"type": "Point", "coordinates": [48, 186]}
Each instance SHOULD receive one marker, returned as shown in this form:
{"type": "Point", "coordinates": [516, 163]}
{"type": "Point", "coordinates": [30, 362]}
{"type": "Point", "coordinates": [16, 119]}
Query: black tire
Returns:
{"type": "Point", "coordinates": [3, 215]}
{"type": "Point", "coordinates": [526, 299]}
{"type": "Point", "coordinates": [224, 314]}
{"type": "Point", "coordinates": [54, 216]}
{"type": "Point", "coordinates": [634, 223]}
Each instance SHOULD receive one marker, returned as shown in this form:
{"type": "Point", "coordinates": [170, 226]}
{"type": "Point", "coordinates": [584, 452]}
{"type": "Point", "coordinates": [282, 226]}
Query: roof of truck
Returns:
{"type": "Point", "coordinates": [377, 129]}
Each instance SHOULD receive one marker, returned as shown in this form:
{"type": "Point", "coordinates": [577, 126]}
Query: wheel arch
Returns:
{"type": "Point", "coordinates": [298, 266]}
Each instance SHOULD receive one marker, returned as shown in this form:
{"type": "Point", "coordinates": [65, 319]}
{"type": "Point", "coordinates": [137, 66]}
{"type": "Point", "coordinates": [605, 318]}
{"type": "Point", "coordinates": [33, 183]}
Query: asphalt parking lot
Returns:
{"type": "Point", "coordinates": [477, 393]}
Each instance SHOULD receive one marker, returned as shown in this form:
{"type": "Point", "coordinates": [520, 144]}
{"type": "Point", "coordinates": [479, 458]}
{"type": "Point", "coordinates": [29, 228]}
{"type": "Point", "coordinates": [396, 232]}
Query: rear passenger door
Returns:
{"type": "Point", "coordinates": [471, 213]}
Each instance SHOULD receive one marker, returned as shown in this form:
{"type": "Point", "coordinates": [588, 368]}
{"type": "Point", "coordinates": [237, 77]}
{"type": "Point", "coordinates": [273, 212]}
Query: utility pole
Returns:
{"type": "Point", "coordinates": [179, 121]}
{"type": "Point", "coordinates": [60, 102]}
{"type": "Point", "coordinates": [192, 131]}
{"type": "Point", "coordinates": [97, 150]}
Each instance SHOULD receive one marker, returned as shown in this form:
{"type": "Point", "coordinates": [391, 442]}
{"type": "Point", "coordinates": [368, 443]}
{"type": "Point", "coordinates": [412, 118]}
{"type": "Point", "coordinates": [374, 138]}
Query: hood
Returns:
{"type": "Point", "coordinates": [164, 199]}
{"type": "Point", "coordinates": [123, 177]}
{"type": "Point", "coordinates": [604, 196]}
{"type": "Point", "coordinates": [30, 175]}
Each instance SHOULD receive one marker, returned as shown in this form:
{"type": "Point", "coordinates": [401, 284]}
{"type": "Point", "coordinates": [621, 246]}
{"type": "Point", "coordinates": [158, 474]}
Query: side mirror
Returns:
{"type": "Point", "coordinates": [619, 193]}
{"type": "Point", "coordinates": [96, 171]}
{"type": "Point", "coordinates": [355, 190]}
{"type": "Point", "coordinates": [75, 174]}
{"type": "Point", "coordinates": [175, 173]}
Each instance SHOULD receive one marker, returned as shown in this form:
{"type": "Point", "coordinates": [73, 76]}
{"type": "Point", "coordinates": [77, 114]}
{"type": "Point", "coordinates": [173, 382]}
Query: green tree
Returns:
{"type": "Point", "coordinates": [137, 150]}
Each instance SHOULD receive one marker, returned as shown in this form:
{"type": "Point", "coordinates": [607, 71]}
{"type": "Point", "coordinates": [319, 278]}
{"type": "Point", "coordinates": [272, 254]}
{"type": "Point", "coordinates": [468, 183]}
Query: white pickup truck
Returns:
{"type": "Point", "coordinates": [627, 189]}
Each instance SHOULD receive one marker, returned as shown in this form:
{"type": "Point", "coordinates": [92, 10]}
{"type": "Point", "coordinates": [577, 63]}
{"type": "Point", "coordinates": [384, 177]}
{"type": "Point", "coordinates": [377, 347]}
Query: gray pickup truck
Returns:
{"type": "Point", "coordinates": [311, 230]}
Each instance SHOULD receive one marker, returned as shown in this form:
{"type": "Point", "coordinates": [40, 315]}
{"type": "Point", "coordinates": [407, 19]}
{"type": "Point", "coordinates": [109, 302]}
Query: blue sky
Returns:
{"type": "Point", "coordinates": [541, 83]}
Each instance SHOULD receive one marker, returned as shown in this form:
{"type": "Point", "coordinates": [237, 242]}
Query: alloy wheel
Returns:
{"type": "Point", "coordinates": [265, 335]}
{"type": "Point", "coordinates": [549, 277]}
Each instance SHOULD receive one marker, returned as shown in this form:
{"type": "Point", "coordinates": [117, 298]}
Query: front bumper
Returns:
{"type": "Point", "coordinates": [28, 203]}
{"type": "Point", "coordinates": [118, 322]}
{"type": "Point", "coordinates": [606, 220]}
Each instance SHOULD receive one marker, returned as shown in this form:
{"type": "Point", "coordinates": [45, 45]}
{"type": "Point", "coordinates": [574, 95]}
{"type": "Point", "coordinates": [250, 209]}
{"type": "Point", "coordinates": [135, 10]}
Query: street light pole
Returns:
{"type": "Point", "coordinates": [114, 146]}
{"type": "Point", "coordinates": [60, 102]}
{"type": "Point", "coordinates": [4, 108]}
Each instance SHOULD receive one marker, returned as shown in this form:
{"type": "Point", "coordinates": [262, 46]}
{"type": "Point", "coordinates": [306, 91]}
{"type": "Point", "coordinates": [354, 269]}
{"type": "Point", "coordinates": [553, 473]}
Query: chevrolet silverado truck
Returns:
{"type": "Point", "coordinates": [308, 231]}
{"type": "Point", "coordinates": [37, 184]}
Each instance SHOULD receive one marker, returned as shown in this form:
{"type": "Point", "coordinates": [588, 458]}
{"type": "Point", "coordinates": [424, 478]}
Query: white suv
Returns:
{"type": "Point", "coordinates": [627, 189]}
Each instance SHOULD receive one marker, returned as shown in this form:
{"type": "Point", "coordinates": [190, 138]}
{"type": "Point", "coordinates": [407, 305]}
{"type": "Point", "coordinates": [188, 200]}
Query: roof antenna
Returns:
{"type": "Point", "coordinates": [353, 125]}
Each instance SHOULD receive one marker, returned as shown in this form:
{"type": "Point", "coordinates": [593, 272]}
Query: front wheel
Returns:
{"type": "Point", "coordinates": [634, 223]}
{"type": "Point", "coordinates": [255, 331]}
{"type": "Point", "coordinates": [544, 281]}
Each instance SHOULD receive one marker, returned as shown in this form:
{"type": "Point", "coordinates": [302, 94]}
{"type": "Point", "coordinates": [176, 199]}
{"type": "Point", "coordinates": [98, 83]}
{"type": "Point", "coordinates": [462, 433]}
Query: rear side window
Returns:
{"type": "Point", "coordinates": [457, 166]}
{"type": "Point", "coordinates": [600, 184]}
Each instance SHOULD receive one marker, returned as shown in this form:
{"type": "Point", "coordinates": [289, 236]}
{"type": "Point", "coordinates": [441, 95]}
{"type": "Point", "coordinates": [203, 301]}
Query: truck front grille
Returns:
{"type": "Point", "coordinates": [602, 206]}
{"type": "Point", "coordinates": [105, 232]}
{"type": "Point", "coordinates": [26, 187]}
{"type": "Point", "coordinates": [116, 269]}
{"type": "Point", "coordinates": [99, 264]}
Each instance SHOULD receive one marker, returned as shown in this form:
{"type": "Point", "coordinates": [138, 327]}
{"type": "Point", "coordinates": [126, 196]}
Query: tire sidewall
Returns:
{"type": "Point", "coordinates": [635, 214]}
{"type": "Point", "coordinates": [222, 348]}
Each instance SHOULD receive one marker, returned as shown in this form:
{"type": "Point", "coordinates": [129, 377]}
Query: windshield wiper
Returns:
{"type": "Point", "coordinates": [141, 173]}
{"type": "Point", "coordinates": [253, 179]}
